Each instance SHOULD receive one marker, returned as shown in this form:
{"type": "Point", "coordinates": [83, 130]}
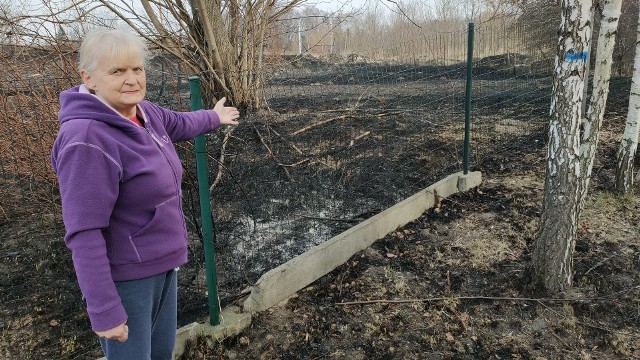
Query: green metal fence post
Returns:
{"type": "Point", "coordinates": [467, 105]}
{"type": "Point", "coordinates": [205, 209]}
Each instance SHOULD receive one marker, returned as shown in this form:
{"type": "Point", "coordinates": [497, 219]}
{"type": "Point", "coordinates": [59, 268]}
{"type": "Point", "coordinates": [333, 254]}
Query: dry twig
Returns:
{"type": "Point", "coordinates": [492, 298]}
{"type": "Point", "coordinates": [358, 138]}
{"type": "Point", "coordinates": [285, 140]}
{"type": "Point", "coordinates": [273, 156]}
{"type": "Point", "coordinates": [561, 340]}
{"type": "Point", "coordinates": [330, 219]}
{"type": "Point", "coordinates": [4, 213]}
{"type": "Point", "coordinates": [319, 123]}
{"type": "Point", "coordinates": [221, 167]}
{"type": "Point", "coordinates": [462, 320]}
{"type": "Point", "coordinates": [600, 263]}
{"type": "Point", "coordinates": [580, 322]}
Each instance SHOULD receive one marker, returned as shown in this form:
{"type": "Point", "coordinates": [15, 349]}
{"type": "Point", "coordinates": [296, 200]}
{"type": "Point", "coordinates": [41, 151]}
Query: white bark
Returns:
{"type": "Point", "coordinates": [555, 241]}
{"type": "Point", "coordinates": [629, 143]}
{"type": "Point", "coordinates": [601, 78]}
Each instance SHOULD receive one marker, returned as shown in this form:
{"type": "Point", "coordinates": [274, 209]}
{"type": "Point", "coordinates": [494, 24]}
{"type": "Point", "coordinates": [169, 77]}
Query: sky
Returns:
{"type": "Point", "coordinates": [344, 6]}
{"type": "Point", "coordinates": [333, 5]}
{"type": "Point", "coordinates": [350, 6]}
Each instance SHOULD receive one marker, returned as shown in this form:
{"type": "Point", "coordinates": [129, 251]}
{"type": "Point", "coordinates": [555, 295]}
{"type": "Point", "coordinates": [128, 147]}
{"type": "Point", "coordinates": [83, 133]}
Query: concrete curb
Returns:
{"type": "Point", "coordinates": [232, 322]}
{"type": "Point", "coordinates": [292, 276]}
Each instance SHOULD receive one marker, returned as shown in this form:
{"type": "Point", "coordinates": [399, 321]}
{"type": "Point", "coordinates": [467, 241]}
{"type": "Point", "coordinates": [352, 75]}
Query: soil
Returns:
{"type": "Point", "coordinates": [453, 284]}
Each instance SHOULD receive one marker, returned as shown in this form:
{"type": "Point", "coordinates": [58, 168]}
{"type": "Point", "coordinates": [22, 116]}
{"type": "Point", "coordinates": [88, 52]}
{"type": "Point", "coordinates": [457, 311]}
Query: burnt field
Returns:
{"type": "Point", "coordinates": [338, 144]}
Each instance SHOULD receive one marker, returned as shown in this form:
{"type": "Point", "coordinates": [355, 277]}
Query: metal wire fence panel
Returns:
{"type": "Point", "coordinates": [343, 139]}
{"type": "Point", "coordinates": [348, 139]}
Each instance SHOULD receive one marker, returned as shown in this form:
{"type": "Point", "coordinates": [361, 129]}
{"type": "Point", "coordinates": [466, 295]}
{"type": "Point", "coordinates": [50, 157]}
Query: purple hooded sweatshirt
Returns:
{"type": "Point", "coordinates": [121, 195]}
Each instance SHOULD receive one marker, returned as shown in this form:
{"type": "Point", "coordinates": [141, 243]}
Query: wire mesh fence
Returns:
{"type": "Point", "coordinates": [354, 137]}
{"type": "Point", "coordinates": [344, 138]}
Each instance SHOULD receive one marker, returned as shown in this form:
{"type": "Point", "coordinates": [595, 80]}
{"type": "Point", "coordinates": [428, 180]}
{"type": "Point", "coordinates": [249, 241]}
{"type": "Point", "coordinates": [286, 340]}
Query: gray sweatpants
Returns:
{"type": "Point", "coordinates": [151, 305]}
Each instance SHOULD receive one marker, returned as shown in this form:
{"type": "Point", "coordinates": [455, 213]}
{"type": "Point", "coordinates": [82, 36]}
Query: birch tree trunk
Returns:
{"type": "Point", "coordinates": [555, 241]}
{"type": "Point", "coordinates": [629, 143]}
{"type": "Point", "coordinates": [610, 11]}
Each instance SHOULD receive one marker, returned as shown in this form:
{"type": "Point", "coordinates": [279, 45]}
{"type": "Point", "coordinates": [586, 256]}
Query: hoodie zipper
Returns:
{"type": "Point", "coordinates": [173, 170]}
{"type": "Point", "coordinates": [155, 138]}
{"type": "Point", "coordinates": [161, 146]}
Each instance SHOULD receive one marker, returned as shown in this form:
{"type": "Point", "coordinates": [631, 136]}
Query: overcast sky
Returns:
{"type": "Point", "coordinates": [333, 5]}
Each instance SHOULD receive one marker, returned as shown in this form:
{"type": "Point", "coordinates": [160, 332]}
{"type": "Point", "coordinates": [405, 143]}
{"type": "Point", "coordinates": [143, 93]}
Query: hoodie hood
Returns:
{"type": "Point", "coordinates": [79, 103]}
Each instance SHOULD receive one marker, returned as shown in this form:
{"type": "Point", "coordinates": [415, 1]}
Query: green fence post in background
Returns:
{"type": "Point", "coordinates": [205, 209]}
{"type": "Point", "coordinates": [467, 103]}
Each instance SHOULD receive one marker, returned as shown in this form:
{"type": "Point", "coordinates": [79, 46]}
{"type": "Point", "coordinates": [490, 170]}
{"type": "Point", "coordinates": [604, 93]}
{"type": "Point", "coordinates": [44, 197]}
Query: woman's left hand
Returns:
{"type": "Point", "coordinates": [227, 114]}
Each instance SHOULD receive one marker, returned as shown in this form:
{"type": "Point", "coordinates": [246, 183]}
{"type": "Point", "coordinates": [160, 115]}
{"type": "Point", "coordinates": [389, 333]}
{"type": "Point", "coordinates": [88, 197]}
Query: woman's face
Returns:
{"type": "Point", "coordinates": [121, 83]}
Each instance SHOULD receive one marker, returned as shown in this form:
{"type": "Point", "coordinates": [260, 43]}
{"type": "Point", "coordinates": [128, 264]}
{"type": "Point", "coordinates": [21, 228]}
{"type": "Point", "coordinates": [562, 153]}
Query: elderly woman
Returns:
{"type": "Point", "coordinates": [120, 178]}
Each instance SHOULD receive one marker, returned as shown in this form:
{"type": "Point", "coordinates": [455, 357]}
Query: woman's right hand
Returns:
{"type": "Point", "coordinates": [120, 333]}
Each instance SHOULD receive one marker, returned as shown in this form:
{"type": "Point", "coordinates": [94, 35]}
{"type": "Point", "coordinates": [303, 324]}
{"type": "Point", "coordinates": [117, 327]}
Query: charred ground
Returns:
{"type": "Point", "coordinates": [454, 284]}
{"type": "Point", "coordinates": [382, 144]}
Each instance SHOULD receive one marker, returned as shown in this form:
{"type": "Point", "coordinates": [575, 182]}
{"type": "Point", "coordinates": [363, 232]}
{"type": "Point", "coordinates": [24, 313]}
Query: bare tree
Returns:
{"type": "Point", "coordinates": [7, 24]}
{"type": "Point", "coordinates": [555, 241]}
{"type": "Point", "coordinates": [370, 25]}
{"type": "Point", "coordinates": [629, 143]}
{"type": "Point", "coordinates": [221, 41]}
{"type": "Point", "coordinates": [477, 10]}
{"type": "Point", "coordinates": [541, 17]}
{"type": "Point", "coordinates": [447, 9]}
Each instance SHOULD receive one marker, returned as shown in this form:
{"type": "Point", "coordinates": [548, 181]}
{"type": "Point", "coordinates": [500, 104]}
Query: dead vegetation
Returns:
{"type": "Point", "coordinates": [454, 285]}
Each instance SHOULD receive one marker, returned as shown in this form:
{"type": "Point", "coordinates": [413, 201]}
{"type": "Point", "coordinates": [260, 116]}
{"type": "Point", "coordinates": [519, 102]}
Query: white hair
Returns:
{"type": "Point", "coordinates": [101, 43]}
